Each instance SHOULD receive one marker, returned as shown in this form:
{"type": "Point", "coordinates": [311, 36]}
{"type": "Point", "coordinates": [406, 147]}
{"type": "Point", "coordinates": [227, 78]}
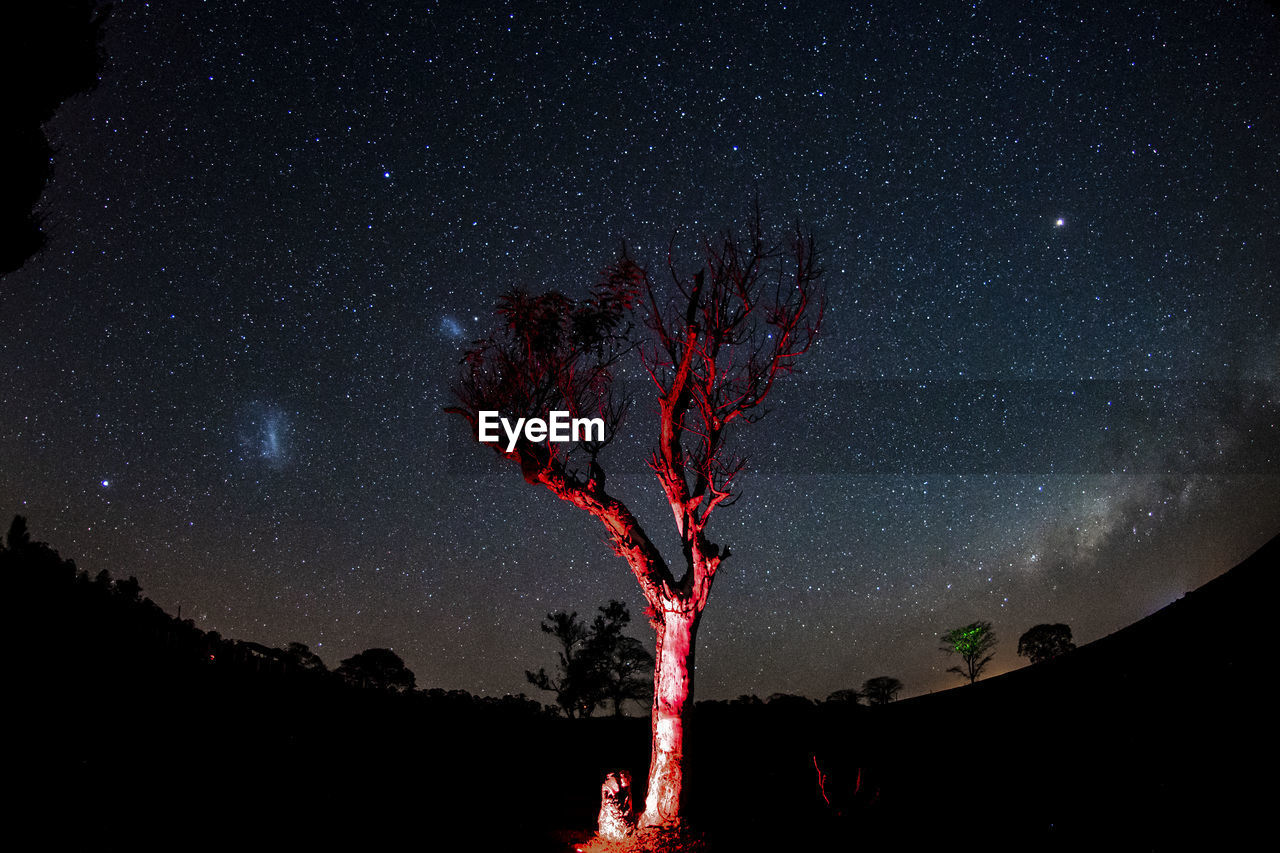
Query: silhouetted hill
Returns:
{"type": "Point", "coordinates": [1153, 732]}
{"type": "Point", "coordinates": [1218, 629]}
{"type": "Point", "coordinates": [128, 724]}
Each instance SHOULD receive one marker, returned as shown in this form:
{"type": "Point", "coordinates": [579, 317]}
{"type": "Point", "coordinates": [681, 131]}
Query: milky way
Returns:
{"type": "Point", "coordinates": [1046, 389]}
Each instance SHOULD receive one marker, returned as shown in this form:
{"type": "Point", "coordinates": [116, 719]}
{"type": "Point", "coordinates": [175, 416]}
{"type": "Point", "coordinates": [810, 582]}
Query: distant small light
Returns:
{"type": "Point", "coordinates": [388, 174]}
{"type": "Point", "coordinates": [106, 483]}
{"type": "Point", "coordinates": [1060, 223]}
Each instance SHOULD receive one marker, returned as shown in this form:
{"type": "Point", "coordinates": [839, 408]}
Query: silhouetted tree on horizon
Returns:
{"type": "Point", "coordinates": [847, 696]}
{"type": "Point", "coordinates": [378, 668]}
{"type": "Point", "coordinates": [301, 656]}
{"type": "Point", "coordinates": [717, 340]}
{"type": "Point", "coordinates": [974, 644]}
{"type": "Point", "coordinates": [1044, 642]}
{"type": "Point", "coordinates": [19, 537]}
{"type": "Point", "coordinates": [788, 701]}
{"type": "Point", "coordinates": [576, 687]}
{"type": "Point", "coordinates": [598, 663]}
{"type": "Point", "coordinates": [129, 589]}
{"type": "Point", "coordinates": [625, 666]}
{"type": "Point", "coordinates": [881, 690]}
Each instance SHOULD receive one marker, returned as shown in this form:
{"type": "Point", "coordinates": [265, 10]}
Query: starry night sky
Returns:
{"type": "Point", "coordinates": [1046, 389]}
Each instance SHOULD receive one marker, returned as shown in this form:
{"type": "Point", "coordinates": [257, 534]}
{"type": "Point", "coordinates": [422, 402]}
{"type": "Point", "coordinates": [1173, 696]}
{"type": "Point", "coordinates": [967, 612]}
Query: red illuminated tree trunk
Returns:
{"type": "Point", "coordinates": [715, 347]}
{"type": "Point", "coordinates": [672, 701]}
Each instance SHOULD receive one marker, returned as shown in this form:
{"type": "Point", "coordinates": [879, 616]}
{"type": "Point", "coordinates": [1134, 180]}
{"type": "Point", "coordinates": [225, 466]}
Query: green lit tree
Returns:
{"type": "Point", "coordinates": [1044, 642]}
{"type": "Point", "coordinates": [975, 644]}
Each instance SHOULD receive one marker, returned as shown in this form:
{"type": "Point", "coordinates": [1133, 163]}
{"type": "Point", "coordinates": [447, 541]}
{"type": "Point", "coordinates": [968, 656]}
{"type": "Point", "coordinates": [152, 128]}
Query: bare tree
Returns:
{"type": "Point", "coordinates": [974, 643]}
{"type": "Point", "coordinates": [716, 342]}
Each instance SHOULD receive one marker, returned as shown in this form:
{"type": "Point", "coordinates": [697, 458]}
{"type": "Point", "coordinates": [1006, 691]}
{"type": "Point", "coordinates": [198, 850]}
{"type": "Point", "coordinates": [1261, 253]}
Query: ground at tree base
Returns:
{"type": "Point", "coordinates": [675, 839]}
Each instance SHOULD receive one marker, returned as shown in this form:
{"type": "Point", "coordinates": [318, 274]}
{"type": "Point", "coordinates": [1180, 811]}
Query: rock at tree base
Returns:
{"type": "Point", "coordinates": [617, 818]}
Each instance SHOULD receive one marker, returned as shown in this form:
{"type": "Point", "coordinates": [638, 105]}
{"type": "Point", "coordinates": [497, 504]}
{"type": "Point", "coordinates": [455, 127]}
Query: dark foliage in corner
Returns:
{"type": "Point", "coordinates": [49, 51]}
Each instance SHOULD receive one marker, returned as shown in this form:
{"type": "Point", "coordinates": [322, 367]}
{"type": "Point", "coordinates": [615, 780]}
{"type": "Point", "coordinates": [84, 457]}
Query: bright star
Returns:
{"type": "Point", "coordinates": [1060, 223]}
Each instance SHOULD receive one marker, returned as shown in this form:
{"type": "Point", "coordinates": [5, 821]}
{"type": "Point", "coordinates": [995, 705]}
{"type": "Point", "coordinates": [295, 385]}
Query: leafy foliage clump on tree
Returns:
{"type": "Point", "coordinates": [1045, 642]}
{"type": "Point", "coordinates": [975, 644]}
